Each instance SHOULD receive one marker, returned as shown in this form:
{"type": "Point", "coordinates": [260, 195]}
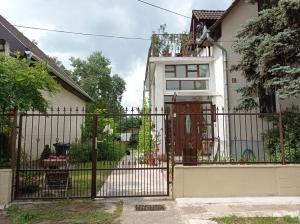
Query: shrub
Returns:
{"type": "Point", "coordinates": [291, 133]}
{"type": "Point", "coordinates": [80, 152]}
{"type": "Point", "coordinates": [5, 153]}
{"type": "Point", "coordinates": [106, 151]}
{"type": "Point", "coordinates": [46, 152]}
{"type": "Point", "coordinates": [110, 151]}
{"type": "Point", "coordinates": [133, 141]}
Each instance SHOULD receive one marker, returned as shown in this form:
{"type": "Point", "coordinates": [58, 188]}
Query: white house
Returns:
{"type": "Point", "coordinates": [190, 73]}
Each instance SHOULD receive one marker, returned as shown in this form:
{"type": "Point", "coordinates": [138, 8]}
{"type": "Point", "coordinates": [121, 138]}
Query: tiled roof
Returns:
{"type": "Point", "coordinates": [208, 14]}
{"type": "Point", "coordinates": [57, 71]}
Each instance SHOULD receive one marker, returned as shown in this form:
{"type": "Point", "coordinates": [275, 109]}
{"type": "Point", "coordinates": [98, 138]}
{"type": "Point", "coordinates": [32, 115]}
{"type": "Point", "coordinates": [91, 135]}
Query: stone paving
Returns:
{"type": "Point", "coordinates": [134, 179]}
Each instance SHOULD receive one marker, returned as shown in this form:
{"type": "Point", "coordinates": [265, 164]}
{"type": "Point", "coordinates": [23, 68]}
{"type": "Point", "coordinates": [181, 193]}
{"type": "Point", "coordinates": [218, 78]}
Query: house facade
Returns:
{"type": "Point", "coordinates": [194, 77]}
{"type": "Point", "coordinates": [38, 131]}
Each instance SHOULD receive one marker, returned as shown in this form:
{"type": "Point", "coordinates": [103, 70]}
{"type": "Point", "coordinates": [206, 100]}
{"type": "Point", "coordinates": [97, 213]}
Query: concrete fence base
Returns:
{"type": "Point", "coordinates": [236, 180]}
{"type": "Point", "coordinates": [5, 186]}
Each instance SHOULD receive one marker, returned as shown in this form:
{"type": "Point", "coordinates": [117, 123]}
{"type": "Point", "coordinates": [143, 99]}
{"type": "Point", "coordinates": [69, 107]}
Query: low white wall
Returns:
{"type": "Point", "coordinates": [236, 180]}
{"type": "Point", "coordinates": [5, 186]}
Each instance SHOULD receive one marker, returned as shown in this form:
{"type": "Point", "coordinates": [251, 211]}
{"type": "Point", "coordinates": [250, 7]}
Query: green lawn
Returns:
{"type": "Point", "coordinates": [82, 179]}
{"type": "Point", "coordinates": [64, 212]}
{"type": "Point", "coordinates": [256, 220]}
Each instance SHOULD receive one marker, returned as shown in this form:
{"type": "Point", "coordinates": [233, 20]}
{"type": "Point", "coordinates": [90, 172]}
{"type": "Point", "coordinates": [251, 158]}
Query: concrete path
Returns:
{"type": "Point", "coordinates": [170, 216]}
{"type": "Point", "coordinates": [184, 212]}
{"type": "Point", "coordinates": [134, 179]}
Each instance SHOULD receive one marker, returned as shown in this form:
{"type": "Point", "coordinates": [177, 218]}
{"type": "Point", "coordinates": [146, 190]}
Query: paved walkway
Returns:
{"type": "Point", "coordinates": [193, 212]}
{"type": "Point", "coordinates": [134, 179]}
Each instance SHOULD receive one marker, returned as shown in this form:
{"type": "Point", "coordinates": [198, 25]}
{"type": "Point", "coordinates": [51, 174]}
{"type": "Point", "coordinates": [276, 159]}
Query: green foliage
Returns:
{"type": "Point", "coordinates": [80, 152]}
{"type": "Point", "coordinates": [269, 47]}
{"type": "Point", "coordinates": [22, 82]}
{"type": "Point", "coordinates": [94, 76]}
{"type": "Point", "coordinates": [133, 141]}
{"type": "Point", "coordinates": [46, 152]}
{"type": "Point", "coordinates": [291, 132]}
{"type": "Point", "coordinates": [145, 138]}
{"type": "Point", "coordinates": [107, 151]}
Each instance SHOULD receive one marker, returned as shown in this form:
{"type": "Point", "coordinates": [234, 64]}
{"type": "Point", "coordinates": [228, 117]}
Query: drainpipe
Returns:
{"type": "Point", "coordinates": [226, 93]}
{"type": "Point", "coordinates": [225, 65]}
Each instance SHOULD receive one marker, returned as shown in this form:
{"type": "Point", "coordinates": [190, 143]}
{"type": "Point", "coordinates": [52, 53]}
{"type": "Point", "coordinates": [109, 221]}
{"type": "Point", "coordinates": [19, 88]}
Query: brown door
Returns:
{"type": "Point", "coordinates": [187, 131]}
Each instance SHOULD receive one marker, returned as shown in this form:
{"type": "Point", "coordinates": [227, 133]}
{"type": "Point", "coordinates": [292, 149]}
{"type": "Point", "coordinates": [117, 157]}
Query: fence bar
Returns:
{"type": "Point", "coordinates": [281, 136]}
{"type": "Point", "coordinates": [94, 157]}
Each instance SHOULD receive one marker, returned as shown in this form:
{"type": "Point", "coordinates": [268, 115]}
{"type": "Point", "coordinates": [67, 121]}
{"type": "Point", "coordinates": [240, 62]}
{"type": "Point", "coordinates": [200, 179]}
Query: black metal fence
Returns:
{"type": "Point", "coordinates": [243, 137]}
{"type": "Point", "coordinates": [65, 153]}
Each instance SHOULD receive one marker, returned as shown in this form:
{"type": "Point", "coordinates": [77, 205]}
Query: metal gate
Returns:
{"type": "Point", "coordinates": [67, 153]}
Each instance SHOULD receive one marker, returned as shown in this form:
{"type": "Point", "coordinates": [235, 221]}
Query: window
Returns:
{"type": "Point", "coordinates": [172, 85]}
{"type": "Point", "coordinates": [187, 71]}
{"type": "Point", "coordinates": [201, 84]}
{"type": "Point", "coordinates": [187, 85]}
{"type": "Point", "coordinates": [180, 71]}
{"type": "Point", "coordinates": [203, 71]}
{"type": "Point", "coordinates": [187, 77]}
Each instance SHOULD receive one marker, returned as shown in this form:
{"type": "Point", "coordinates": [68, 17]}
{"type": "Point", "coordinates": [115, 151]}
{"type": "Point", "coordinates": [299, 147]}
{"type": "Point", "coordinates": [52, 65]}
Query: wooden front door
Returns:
{"type": "Point", "coordinates": [187, 131]}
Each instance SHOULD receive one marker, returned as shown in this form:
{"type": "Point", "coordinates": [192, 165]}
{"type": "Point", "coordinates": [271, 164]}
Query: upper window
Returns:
{"type": "Point", "coordinates": [187, 71]}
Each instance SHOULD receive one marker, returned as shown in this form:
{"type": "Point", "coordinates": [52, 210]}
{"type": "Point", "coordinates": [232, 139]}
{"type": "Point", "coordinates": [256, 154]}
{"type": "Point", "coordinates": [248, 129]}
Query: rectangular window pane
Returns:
{"type": "Point", "coordinates": [170, 68]}
{"type": "Point", "coordinates": [192, 74]}
{"type": "Point", "coordinates": [201, 84]}
{"type": "Point", "coordinates": [192, 67]}
{"type": "Point", "coordinates": [180, 71]}
{"type": "Point", "coordinates": [204, 70]}
{"type": "Point", "coordinates": [172, 85]}
{"type": "Point", "coordinates": [187, 85]}
{"type": "Point", "coordinates": [170, 75]}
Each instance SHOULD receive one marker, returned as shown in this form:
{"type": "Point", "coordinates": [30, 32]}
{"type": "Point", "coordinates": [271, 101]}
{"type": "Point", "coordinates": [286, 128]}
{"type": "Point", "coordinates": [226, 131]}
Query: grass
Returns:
{"type": "Point", "coordinates": [63, 212]}
{"type": "Point", "coordinates": [256, 220]}
{"type": "Point", "coordinates": [82, 179]}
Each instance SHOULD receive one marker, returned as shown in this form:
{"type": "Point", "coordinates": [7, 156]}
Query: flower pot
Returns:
{"type": "Point", "coordinates": [167, 54]}
{"type": "Point", "coordinates": [150, 158]}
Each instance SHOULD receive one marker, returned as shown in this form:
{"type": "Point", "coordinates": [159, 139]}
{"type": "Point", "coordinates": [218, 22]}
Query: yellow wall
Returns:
{"type": "Point", "coordinates": [236, 180]}
{"type": "Point", "coordinates": [5, 186]}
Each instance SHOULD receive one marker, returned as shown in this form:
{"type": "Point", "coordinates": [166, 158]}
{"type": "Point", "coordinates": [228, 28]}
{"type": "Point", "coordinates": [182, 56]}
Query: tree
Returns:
{"type": "Point", "coordinates": [269, 47]}
{"type": "Point", "coordinates": [145, 142]}
{"type": "Point", "coordinates": [94, 76]}
{"type": "Point", "coordinates": [22, 82]}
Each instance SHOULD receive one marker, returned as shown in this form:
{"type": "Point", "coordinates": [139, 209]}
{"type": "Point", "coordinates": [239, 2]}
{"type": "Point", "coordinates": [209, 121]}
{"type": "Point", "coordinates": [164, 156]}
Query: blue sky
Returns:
{"type": "Point", "coordinates": [112, 17]}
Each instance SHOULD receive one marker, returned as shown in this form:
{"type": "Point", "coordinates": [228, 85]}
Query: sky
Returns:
{"type": "Point", "coordinates": [111, 17]}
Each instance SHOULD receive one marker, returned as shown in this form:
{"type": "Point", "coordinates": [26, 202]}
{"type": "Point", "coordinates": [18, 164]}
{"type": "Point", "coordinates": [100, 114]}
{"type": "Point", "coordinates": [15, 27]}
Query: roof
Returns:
{"type": "Point", "coordinates": [207, 14]}
{"type": "Point", "coordinates": [40, 55]}
{"type": "Point", "coordinates": [226, 12]}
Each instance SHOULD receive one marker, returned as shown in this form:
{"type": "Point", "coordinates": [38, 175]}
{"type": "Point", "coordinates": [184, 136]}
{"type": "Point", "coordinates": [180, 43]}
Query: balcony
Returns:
{"type": "Point", "coordinates": [177, 45]}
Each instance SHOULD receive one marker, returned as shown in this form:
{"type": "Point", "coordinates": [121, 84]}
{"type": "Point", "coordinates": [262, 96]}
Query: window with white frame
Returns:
{"type": "Point", "coordinates": [187, 77]}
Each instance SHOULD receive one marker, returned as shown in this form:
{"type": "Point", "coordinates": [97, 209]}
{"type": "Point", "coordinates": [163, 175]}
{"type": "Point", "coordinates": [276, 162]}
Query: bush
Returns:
{"type": "Point", "coordinates": [291, 133]}
{"type": "Point", "coordinates": [46, 152]}
{"type": "Point", "coordinates": [106, 151]}
{"type": "Point", "coordinates": [133, 141]}
{"type": "Point", "coordinates": [110, 151]}
{"type": "Point", "coordinates": [5, 153]}
{"type": "Point", "coordinates": [80, 152]}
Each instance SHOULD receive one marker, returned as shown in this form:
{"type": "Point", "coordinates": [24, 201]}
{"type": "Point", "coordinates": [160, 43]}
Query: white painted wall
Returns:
{"type": "Point", "coordinates": [38, 131]}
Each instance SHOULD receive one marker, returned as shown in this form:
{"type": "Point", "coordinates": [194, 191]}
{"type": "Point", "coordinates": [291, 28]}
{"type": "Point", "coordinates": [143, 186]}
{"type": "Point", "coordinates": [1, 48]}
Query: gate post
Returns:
{"type": "Point", "coordinates": [16, 181]}
{"type": "Point", "coordinates": [94, 156]}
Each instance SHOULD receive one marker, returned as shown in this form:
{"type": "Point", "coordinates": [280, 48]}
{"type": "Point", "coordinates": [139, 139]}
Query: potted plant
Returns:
{"type": "Point", "coordinates": [185, 41]}
{"type": "Point", "coordinates": [155, 45]}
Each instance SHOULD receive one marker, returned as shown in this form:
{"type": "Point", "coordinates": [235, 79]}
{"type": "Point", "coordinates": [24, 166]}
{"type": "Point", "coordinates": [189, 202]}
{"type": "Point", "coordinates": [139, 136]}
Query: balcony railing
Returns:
{"type": "Point", "coordinates": [177, 45]}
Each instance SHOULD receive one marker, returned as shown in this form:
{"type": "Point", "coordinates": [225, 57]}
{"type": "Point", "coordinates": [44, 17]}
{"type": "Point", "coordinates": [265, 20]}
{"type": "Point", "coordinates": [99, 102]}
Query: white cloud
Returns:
{"type": "Point", "coordinates": [133, 96]}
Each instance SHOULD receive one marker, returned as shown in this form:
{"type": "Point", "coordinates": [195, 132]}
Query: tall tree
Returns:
{"type": "Point", "coordinates": [94, 76]}
{"type": "Point", "coordinates": [269, 46]}
{"type": "Point", "coordinates": [22, 82]}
